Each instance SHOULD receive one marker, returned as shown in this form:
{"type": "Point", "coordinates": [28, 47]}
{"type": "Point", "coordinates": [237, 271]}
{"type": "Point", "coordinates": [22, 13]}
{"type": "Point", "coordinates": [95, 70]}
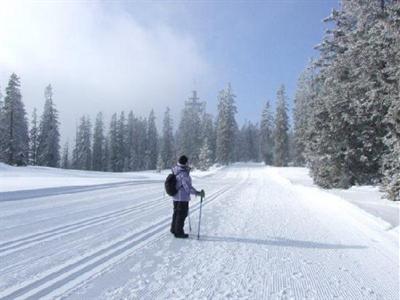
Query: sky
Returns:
{"type": "Point", "coordinates": [140, 55]}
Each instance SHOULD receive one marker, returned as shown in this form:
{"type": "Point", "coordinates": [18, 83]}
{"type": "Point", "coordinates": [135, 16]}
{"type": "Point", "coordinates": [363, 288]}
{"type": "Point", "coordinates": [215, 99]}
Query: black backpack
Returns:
{"type": "Point", "coordinates": [170, 185]}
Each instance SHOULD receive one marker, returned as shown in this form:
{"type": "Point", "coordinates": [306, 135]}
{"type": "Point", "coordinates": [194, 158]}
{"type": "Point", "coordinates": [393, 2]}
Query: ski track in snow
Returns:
{"type": "Point", "coordinates": [262, 238]}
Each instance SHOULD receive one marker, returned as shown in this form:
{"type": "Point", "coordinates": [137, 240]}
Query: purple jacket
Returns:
{"type": "Point", "coordinates": [183, 183]}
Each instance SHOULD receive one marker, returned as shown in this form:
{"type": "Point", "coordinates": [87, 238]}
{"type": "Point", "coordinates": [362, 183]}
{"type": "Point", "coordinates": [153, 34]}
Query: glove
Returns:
{"type": "Point", "coordinates": [202, 194]}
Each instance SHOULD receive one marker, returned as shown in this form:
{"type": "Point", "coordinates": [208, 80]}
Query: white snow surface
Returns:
{"type": "Point", "coordinates": [266, 233]}
{"type": "Point", "coordinates": [31, 178]}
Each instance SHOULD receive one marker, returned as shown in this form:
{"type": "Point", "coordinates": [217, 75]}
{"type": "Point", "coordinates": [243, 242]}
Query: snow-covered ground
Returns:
{"type": "Point", "coordinates": [267, 233]}
{"type": "Point", "coordinates": [33, 178]}
{"type": "Point", "coordinates": [368, 198]}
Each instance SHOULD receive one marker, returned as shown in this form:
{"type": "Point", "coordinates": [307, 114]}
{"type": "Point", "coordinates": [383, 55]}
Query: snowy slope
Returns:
{"type": "Point", "coordinates": [263, 237]}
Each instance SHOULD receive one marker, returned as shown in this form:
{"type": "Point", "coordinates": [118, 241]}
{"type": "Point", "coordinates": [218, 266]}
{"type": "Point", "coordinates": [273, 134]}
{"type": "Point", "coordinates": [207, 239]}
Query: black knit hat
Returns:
{"type": "Point", "coordinates": [183, 160]}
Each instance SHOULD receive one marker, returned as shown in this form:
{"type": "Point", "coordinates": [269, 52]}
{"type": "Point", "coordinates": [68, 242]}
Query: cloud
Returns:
{"type": "Point", "coordinates": [97, 57]}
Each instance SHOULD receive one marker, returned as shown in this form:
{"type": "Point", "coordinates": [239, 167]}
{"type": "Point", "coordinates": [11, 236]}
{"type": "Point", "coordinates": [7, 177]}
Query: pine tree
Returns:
{"type": "Point", "coordinates": [391, 161]}
{"type": "Point", "coordinates": [82, 154]}
{"type": "Point", "coordinates": [266, 135]}
{"type": "Point", "coordinates": [98, 144]}
{"type": "Point", "coordinates": [167, 152]}
{"type": "Point", "coordinates": [65, 164]}
{"type": "Point", "coordinates": [281, 140]}
{"type": "Point", "coordinates": [353, 96]}
{"type": "Point", "coordinates": [14, 143]}
{"type": "Point", "coordinates": [253, 138]}
{"type": "Point", "coordinates": [141, 143]}
{"type": "Point", "coordinates": [106, 154]}
{"type": "Point", "coordinates": [121, 139]}
{"type": "Point", "coordinates": [129, 143]}
{"type": "Point", "coordinates": [152, 143]}
{"type": "Point", "coordinates": [248, 143]}
{"type": "Point", "coordinates": [291, 147]}
{"type": "Point", "coordinates": [205, 157]}
{"type": "Point", "coordinates": [33, 139]}
{"type": "Point", "coordinates": [189, 130]}
{"type": "Point", "coordinates": [208, 132]}
{"type": "Point", "coordinates": [48, 150]}
{"type": "Point", "coordinates": [302, 115]}
{"type": "Point", "coordinates": [113, 144]}
{"type": "Point", "coordinates": [226, 126]}
{"type": "Point", "coordinates": [160, 163]}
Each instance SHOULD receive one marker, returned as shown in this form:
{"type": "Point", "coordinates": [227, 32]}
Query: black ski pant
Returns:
{"type": "Point", "coordinates": [178, 218]}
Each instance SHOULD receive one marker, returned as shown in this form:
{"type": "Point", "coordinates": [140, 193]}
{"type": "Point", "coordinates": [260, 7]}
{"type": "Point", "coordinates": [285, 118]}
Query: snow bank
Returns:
{"type": "Point", "coordinates": [367, 198]}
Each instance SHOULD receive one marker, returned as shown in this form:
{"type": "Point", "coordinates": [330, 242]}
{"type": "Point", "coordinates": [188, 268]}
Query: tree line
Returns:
{"type": "Point", "coordinates": [347, 104]}
{"type": "Point", "coordinates": [21, 145]}
{"type": "Point", "coordinates": [133, 143]}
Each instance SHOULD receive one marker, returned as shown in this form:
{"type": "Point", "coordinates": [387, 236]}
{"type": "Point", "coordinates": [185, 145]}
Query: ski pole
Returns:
{"type": "Point", "coordinates": [190, 225]}
{"type": "Point", "coordinates": [198, 230]}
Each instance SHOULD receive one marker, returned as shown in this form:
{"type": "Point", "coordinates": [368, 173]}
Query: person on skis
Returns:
{"type": "Point", "coordinates": [182, 197]}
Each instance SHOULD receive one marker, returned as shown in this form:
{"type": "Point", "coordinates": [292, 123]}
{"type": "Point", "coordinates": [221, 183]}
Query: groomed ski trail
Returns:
{"type": "Point", "coordinates": [262, 238]}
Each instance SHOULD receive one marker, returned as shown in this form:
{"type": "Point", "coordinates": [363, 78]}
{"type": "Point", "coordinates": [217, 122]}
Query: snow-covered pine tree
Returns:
{"type": "Point", "coordinates": [248, 143]}
{"type": "Point", "coordinates": [121, 142]}
{"type": "Point", "coordinates": [136, 143]}
{"type": "Point", "coordinates": [349, 115]}
{"type": "Point", "coordinates": [205, 157]}
{"type": "Point", "coordinates": [240, 145]}
{"type": "Point", "coordinates": [302, 114]}
{"type": "Point", "coordinates": [209, 133]}
{"type": "Point", "coordinates": [367, 88]}
{"type": "Point", "coordinates": [226, 126]}
{"type": "Point", "coordinates": [75, 154]}
{"type": "Point", "coordinates": [113, 138]}
{"type": "Point", "coordinates": [33, 139]}
{"type": "Point", "coordinates": [281, 140]}
{"type": "Point", "coordinates": [152, 142]}
{"type": "Point", "coordinates": [266, 135]}
{"type": "Point", "coordinates": [14, 143]}
{"type": "Point", "coordinates": [160, 163]}
{"type": "Point", "coordinates": [291, 147]}
{"type": "Point", "coordinates": [87, 143]}
{"type": "Point", "coordinates": [65, 164]}
{"type": "Point", "coordinates": [189, 130]}
{"type": "Point", "coordinates": [167, 151]}
{"type": "Point", "coordinates": [98, 144]}
{"type": "Point", "coordinates": [141, 142]}
{"type": "Point", "coordinates": [391, 161]}
{"type": "Point", "coordinates": [82, 154]}
{"type": "Point", "coordinates": [130, 143]}
{"type": "Point", "coordinates": [106, 154]}
{"type": "Point", "coordinates": [327, 151]}
{"type": "Point", "coordinates": [48, 150]}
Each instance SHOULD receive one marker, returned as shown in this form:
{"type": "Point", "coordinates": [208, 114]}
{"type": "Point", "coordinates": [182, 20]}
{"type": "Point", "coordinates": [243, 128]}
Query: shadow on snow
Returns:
{"type": "Point", "coordinates": [280, 242]}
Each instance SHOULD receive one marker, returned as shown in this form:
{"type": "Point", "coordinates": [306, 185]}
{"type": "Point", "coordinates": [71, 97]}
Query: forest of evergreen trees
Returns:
{"type": "Point", "coordinates": [132, 143]}
{"type": "Point", "coordinates": [347, 105]}
{"type": "Point", "coordinates": [346, 120]}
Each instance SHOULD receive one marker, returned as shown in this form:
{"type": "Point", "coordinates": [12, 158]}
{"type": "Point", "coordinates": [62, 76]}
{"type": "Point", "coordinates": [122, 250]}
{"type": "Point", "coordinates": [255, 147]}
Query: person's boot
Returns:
{"type": "Point", "coordinates": [181, 235]}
